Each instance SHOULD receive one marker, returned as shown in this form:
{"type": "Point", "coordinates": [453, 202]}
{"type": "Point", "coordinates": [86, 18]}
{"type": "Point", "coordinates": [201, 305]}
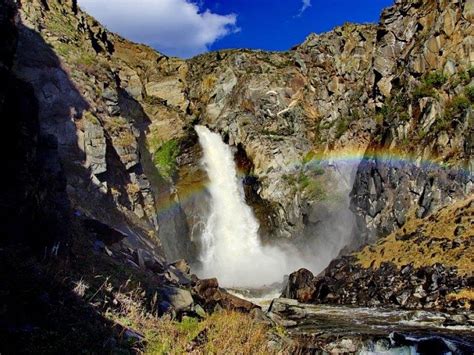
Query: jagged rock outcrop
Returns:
{"type": "Point", "coordinates": [122, 115]}
{"type": "Point", "coordinates": [423, 69]}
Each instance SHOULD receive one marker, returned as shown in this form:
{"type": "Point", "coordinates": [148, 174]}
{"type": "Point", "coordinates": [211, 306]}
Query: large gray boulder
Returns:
{"type": "Point", "coordinates": [180, 299]}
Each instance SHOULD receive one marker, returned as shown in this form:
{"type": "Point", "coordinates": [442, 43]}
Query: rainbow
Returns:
{"type": "Point", "coordinates": [168, 206]}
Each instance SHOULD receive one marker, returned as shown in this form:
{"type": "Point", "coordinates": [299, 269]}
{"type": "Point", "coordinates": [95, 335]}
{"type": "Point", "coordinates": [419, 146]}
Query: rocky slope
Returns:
{"type": "Point", "coordinates": [426, 264]}
{"type": "Point", "coordinates": [78, 219]}
{"type": "Point", "coordinates": [300, 121]}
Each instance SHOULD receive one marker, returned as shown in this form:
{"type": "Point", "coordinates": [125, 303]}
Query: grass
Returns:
{"type": "Point", "coordinates": [424, 90]}
{"type": "Point", "coordinates": [464, 294]}
{"type": "Point", "coordinates": [454, 108]}
{"type": "Point", "coordinates": [165, 156]}
{"type": "Point", "coordinates": [222, 332]}
{"type": "Point", "coordinates": [115, 125]}
{"type": "Point", "coordinates": [126, 139]}
{"type": "Point", "coordinates": [312, 187]}
{"type": "Point", "coordinates": [424, 242]}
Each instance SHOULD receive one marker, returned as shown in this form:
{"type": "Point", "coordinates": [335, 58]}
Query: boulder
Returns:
{"type": "Point", "coordinates": [210, 295]}
{"type": "Point", "coordinates": [180, 299]}
{"type": "Point", "coordinates": [300, 286]}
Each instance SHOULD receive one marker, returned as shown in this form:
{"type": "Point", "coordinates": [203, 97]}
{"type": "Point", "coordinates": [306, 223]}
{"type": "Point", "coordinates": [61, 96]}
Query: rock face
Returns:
{"type": "Point", "coordinates": [426, 265]}
{"type": "Point", "coordinates": [122, 115]}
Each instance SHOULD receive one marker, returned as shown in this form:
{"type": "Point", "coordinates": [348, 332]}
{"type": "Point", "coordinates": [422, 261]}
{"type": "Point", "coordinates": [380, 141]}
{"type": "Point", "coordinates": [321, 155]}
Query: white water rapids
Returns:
{"type": "Point", "coordinates": [231, 248]}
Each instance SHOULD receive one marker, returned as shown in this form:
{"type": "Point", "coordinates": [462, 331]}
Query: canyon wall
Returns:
{"type": "Point", "coordinates": [395, 97]}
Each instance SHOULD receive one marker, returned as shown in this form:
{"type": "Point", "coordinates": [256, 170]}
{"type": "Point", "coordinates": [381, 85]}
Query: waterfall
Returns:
{"type": "Point", "coordinates": [231, 248]}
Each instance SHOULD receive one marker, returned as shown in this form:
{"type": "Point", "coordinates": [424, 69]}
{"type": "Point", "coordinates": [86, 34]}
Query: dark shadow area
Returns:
{"type": "Point", "coordinates": [174, 229]}
{"type": "Point", "coordinates": [46, 248]}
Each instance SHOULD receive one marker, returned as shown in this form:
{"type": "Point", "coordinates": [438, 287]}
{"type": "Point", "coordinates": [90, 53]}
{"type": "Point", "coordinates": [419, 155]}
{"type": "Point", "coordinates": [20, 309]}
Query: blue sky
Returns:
{"type": "Point", "coordinates": [185, 28]}
{"type": "Point", "coordinates": [279, 25]}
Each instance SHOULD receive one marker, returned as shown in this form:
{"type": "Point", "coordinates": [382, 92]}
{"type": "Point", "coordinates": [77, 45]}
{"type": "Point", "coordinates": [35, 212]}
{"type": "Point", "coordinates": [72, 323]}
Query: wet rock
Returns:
{"type": "Point", "coordinates": [209, 295]}
{"type": "Point", "coordinates": [300, 286]}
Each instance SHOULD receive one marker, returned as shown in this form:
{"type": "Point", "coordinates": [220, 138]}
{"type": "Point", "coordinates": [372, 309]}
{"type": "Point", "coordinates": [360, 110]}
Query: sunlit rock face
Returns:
{"type": "Point", "coordinates": [389, 93]}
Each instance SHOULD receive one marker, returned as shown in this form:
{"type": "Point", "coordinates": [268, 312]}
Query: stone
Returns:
{"type": "Point", "coordinates": [385, 86]}
{"type": "Point", "coordinates": [170, 89]}
{"type": "Point", "coordinates": [179, 298]}
{"type": "Point", "coordinates": [300, 286]}
{"type": "Point", "coordinates": [209, 295]}
{"type": "Point", "coordinates": [95, 146]}
{"type": "Point", "coordinates": [468, 12]}
{"type": "Point", "coordinates": [182, 265]}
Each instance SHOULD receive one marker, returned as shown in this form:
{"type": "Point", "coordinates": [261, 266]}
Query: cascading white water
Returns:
{"type": "Point", "coordinates": [231, 248]}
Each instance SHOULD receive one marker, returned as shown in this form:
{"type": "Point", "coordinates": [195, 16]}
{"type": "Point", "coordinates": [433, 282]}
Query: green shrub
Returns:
{"type": "Point", "coordinates": [469, 92]}
{"type": "Point", "coordinates": [341, 127]}
{"type": "Point", "coordinates": [404, 116]}
{"type": "Point", "coordinates": [457, 106]}
{"type": "Point", "coordinates": [165, 157]}
{"type": "Point", "coordinates": [442, 123]}
{"type": "Point", "coordinates": [435, 79]}
{"type": "Point", "coordinates": [312, 187]}
{"type": "Point", "coordinates": [464, 77]}
{"type": "Point", "coordinates": [379, 119]}
{"type": "Point", "coordinates": [424, 90]}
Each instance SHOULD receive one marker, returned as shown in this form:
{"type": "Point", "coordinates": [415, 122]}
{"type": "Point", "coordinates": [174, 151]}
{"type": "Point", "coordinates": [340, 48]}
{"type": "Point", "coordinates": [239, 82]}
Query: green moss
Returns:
{"type": "Point", "coordinates": [379, 119]}
{"type": "Point", "coordinates": [165, 157]}
{"type": "Point", "coordinates": [91, 118]}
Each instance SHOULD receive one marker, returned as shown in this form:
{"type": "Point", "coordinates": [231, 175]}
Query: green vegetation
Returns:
{"type": "Point", "coordinates": [471, 72]}
{"type": "Point", "coordinates": [165, 156]}
{"type": "Point", "coordinates": [429, 83]}
{"type": "Point", "coordinates": [424, 90]}
{"type": "Point", "coordinates": [398, 246]}
{"type": "Point", "coordinates": [469, 92]}
{"type": "Point", "coordinates": [125, 139]}
{"type": "Point", "coordinates": [442, 123]}
{"type": "Point", "coordinates": [91, 118]}
{"type": "Point", "coordinates": [115, 124]}
{"type": "Point", "coordinates": [394, 110]}
{"type": "Point", "coordinates": [342, 126]}
{"type": "Point", "coordinates": [456, 107]}
{"type": "Point", "coordinates": [312, 187]}
{"type": "Point", "coordinates": [435, 79]}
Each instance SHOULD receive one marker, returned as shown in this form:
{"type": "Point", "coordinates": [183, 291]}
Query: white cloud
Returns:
{"type": "Point", "coordinates": [306, 4]}
{"type": "Point", "coordinates": [174, 27]}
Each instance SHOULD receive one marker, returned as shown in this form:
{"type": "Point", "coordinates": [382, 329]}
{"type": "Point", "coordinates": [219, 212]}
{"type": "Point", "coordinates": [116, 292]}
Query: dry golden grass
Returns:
{"type": "Point", "coordinates": [464, 294]}
{"type": "Point", "coordinates": [222, 332]}
{"type": "Point", "coordinates": [433, 241]}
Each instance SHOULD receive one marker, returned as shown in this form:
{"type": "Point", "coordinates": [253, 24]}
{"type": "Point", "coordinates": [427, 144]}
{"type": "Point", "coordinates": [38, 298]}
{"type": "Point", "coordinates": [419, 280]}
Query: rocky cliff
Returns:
{"type": "Point", "coordinates": [427, 264]}
{"type": "Point", "coordinates": [395, 97]}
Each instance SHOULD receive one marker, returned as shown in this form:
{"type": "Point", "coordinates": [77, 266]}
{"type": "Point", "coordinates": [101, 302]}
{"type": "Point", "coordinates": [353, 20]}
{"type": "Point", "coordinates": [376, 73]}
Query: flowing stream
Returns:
{"type": "Point", "coordinates": [231, 247]}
